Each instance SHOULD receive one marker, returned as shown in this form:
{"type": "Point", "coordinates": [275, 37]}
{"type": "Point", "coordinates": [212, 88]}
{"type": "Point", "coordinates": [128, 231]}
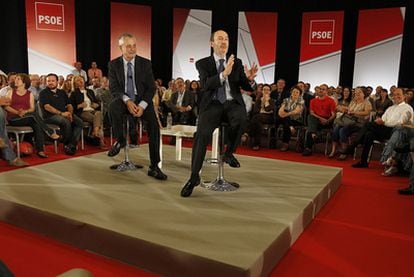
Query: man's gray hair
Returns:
{"type": "Point", "coordinates": [123, 36]}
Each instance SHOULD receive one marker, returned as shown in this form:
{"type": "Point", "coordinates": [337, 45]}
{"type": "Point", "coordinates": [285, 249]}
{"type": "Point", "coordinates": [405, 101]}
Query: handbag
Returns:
{"type": "Point", "coordinates": [346, 120]}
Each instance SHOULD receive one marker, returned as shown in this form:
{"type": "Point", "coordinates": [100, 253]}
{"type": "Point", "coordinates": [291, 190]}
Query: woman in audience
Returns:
{"type": "Point", "coordinates": [263, 113]}
{"type": "Point", "coordinates": [382, 103]}
{"type": "Point", "coordinates": [409, 97]}
{"type": "Point", "coordinates": [359, 111]}
{"type": "Point", "coordinates": [21, 112]}
{"type": "Point", "coordinates": [290, 115]}
{"type": "Point", "coordinates": [3, 81]}
{"type": "Point", "coordinates": [86, 107]}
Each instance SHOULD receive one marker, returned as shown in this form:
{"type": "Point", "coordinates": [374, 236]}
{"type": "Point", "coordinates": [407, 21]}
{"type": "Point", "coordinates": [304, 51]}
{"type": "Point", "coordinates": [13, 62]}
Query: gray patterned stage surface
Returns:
{"type": "Point", "coordinates": [136, 219]}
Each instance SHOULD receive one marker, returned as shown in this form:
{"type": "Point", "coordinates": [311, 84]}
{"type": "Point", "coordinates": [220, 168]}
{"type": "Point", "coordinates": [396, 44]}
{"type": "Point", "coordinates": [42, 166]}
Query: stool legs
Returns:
{"type": "Point", "coordinates": [220, 184]}
{"type": "Point", "coordinates": [126, 164]}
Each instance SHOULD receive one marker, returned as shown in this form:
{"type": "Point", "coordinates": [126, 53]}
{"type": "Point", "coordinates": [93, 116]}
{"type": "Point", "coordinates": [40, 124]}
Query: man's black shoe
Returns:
{"type": "Point", "coordinates": [360, 165]}
{"type": "Point", "coordinates": [115, 149]}
{"type": "Point", "coordinates": [69, 149]}
{"type": "Point", "coordinates": [156, 173]}
{"type": "Point", "coordinates": [406, 191]}
{"type": "Point", "coordinates": [189, 186]}
{"type": "Point", "coordinates": [231, 160]}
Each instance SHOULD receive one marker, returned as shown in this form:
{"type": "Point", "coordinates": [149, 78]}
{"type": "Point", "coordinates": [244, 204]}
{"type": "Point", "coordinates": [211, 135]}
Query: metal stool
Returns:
{"type": "Point", "coordinates": [126, 164]}
{"type": "Point", "coordinates": [220, 184]}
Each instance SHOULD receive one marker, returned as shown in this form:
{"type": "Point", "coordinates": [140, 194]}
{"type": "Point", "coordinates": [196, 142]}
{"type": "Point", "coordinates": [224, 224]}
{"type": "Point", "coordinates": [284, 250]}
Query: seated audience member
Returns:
{"type": "Point", "coordinates": [290, 115]}
{"type": "Point", "coordinates": [410, 147]}
{"type": "Point", "coordinates": [263, 113]}
{"type": "Point", "coordinates": [105, 97]}
{"type": "Point", "coordinates": [409, 97]}
{"type": "Point", "coordinates": [79, 71]}
{"type": "Point", "coordinates": [392, 160]}
{"type": "Point", "coordinates": [380, 129]}
{"type": "Point", "coordinates": [358, 113]}
{"type": "Point", "coordinates": [382, 103]}
{"type": "Point", "coordinates": [3, 81]}
{"type": "Point", "coordinates": [10, 81]}
{"type": "Point", "coordinates": [86, 106]}
{"type": "Point", "coordinates": [61, 82]}
{"type": "Point", "coordinates": [35, 86]}
{"type": "Point", "coordinates": [95, 84]}
{"type": "Point", "coordinates": [280, 93]}
{"type": "Point", "coordinates": [59, 111]}
{"type": "Point", "coordinates": [94, 72]}
{"type": "Point", "coordinates": [6, 146]}
{"type": "Point", "coordinates": [21, 112]}
{"type": "Point", "coordinates": [307, 97]}
{"type": "Point", "coordinates": [181, 105]}
{"type": "Point", "coordinates": [321, 116]}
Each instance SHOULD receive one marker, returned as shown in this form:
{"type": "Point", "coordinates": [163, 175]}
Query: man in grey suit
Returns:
{"type": "Point", "coordinates": [131, 82]}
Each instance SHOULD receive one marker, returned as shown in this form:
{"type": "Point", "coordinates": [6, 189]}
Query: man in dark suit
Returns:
{"type": "Point", "coordinates": [131, 82]}
{"type": "Point", "coordinates": [220, 99]}
{"type": "Point", "coordinates": [181, 104]}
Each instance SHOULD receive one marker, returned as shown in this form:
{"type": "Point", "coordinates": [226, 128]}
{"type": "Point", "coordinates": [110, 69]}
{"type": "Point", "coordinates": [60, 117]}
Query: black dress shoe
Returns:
{"type": "Point", "coordinates": [407, 191]}
{"type": "Point", "coordinates": [115, 149]}
{"type": "Point", "coordinates": [231, 160]}
{"type": "Point", "coordinates": [69, 149]}
{"type": "Point", "coordinates": [156, 173]}
{"type": "Point", "coordinates": [189, 186]}
{"type": "Point", "coordinates": [360, 165]}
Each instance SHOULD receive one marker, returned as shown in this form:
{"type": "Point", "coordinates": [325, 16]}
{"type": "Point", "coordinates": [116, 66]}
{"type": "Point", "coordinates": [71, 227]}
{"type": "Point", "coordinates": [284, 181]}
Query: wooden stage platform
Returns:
{"type": "Point", "coordinates": [144, 222]}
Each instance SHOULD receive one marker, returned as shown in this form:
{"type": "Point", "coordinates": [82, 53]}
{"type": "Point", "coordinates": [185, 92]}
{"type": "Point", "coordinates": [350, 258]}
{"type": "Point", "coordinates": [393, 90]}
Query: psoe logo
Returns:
{"type": "Point", "coordinates": [322, 32]}
{"type": "Point", "coordinates": [49, 16]}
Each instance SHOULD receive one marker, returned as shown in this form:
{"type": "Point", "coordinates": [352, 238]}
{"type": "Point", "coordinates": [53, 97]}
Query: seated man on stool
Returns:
{"type": "Point", "coordinates": [221, 78]}
{"type": "Point", "coordinates": [131, 82]}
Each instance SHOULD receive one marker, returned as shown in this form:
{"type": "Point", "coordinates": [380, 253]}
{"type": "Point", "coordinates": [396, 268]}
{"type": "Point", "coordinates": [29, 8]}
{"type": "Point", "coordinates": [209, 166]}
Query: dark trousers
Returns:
{"type": "Point", "coordinates": [256, 126]}
{"type": "Point", "coordinates": [314, 125]}
{"type": "Point", "coordinates": [366, 136]}
{"type": "Point", "coordinates": [39, 127]}
{"type": "Point", "coordinates": [118, 112]}
{"type": "Point", "coordinates": [209, 119]}
{"type": "Point", "coordinates": [286, 122]}
{"type": "Point", "coordinates": [70, 130]}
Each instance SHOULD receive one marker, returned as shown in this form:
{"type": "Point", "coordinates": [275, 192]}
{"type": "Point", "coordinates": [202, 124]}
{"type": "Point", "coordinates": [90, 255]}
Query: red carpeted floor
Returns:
{"type": "Point", "coordinates": [367, 229]}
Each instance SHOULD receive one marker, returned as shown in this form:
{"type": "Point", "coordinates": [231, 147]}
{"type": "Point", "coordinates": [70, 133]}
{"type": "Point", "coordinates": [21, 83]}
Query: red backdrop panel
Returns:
{"type": "Point", "coordinates": [321, 34]}
{"type": "Point", "coordinates": [51, 29]}
{"type": "Point", "coordinates": [134, 19]}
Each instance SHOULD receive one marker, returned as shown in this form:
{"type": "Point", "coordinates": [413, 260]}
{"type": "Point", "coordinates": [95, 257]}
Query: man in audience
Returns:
{"type": "Point", "coordinates": [10, 79]}
{"type": "Point", "coordinates": [322, 114]}
{"type": "Point", "coordinates": [181, 104]}
{"type": "Point", "coordinates": [410, 147]}
{"type": "Point", "coordinates": [94, 72]}
{"type": "Point", "coordinates": [381, 128]}
{"type": "Point", "coordinates": [59, 111]}
{"type": "Point", "coordinates": [79, 71]}
{"type": "Point", "coordinates": [280, 93]}
{"type": "Point", "coordinates": [35, 85]}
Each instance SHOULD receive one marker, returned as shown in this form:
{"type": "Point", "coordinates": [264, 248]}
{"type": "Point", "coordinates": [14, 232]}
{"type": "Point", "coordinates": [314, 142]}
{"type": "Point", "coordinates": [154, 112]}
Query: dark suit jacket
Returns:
{"type": "Point", "coordinates": [77, 97]}
{"type": "Point", "coordinates": [144, 80]}
{"type": "Point", "coordinates": [210, 81]}
{"type": "Point", "coordinates": [188, 100]}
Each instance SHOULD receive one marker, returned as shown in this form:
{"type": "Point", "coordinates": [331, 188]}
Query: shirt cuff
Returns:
{"type": "Point", "coordinates": [125, 98]}
{"type": "Point", "coordinates": [143, 104]}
